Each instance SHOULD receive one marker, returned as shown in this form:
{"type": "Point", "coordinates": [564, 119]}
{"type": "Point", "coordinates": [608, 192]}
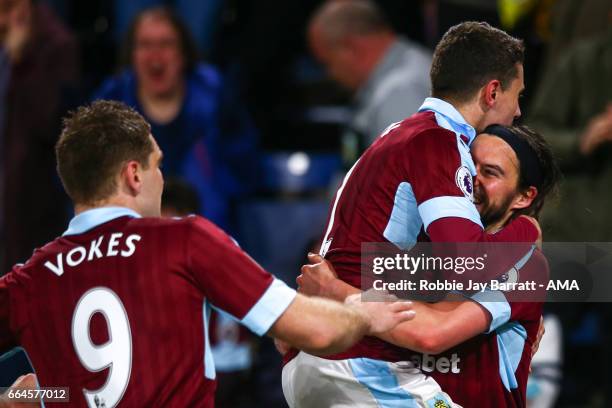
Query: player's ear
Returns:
{"type": "Point", "coordinates": [525, 198]}
{"type": "Point", "coordinates": [491, 92]}
{"type": "Point", "coordinates": [132, 176]}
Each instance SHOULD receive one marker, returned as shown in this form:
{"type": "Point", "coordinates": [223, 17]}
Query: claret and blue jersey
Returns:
{"type": "Point", "coordinates": [124, 302]}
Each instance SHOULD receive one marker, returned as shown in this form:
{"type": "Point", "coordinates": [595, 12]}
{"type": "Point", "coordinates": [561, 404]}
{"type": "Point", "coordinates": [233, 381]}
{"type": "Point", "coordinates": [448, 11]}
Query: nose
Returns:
{"type": "Point", "coordinates": [517, 114]}
{"type": "Point", "coordinates": [476, 178]}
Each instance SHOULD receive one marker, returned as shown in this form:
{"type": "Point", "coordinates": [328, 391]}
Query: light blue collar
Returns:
{"type": "Point", "coordinates": [449, 117]}
{"type": "Point", "coordinates": [92, 218]}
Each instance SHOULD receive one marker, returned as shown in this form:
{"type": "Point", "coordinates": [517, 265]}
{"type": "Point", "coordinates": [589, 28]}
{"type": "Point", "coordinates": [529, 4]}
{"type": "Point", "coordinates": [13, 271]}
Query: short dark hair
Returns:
{"type": "Point", "coordinates": [186, 42]}
{"type": "Point", "coordinates": [471, 54]}
{"type": "Point", "coordinates": [96, 141]}
{"type": "Point", "coordinates": [549, 167]}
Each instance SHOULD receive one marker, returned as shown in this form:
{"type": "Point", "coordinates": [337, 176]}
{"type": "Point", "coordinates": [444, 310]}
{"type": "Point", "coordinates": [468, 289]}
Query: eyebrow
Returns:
{"type": "Point", "coordinates": [495, 167]}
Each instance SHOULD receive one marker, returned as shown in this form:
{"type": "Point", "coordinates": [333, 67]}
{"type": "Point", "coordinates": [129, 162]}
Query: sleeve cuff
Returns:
{"type": "Point", "coordinates": [448, 206]}
{"type": "Point", "coordinates": [272, 304]}
{"type": "Point", "coordinates": [496, 304]}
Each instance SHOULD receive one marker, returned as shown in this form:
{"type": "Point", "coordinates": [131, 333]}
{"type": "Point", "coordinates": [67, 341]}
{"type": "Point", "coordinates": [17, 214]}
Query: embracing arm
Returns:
{"type": "Point", "coordinates": [440, 326]}
{"type": "Point", "coordinates": [321, 326]}
{"type": "Point", "coordinates": [436, 327]}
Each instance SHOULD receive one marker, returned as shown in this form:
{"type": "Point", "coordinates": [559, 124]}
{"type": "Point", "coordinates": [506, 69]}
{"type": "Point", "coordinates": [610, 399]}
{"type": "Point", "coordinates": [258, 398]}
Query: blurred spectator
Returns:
{"type": "Point", "coordinates": [201, 17]}
{"type": "Point", "coordinates": [573, 109]}
{"type": "Point", "coordinates": [38, 65]}
{"type": "Point", "coordinates": [206, 137]}
{"type": "Point", "coordinates": [231, 343]}
{"type": "Point", "coordinates": [389, 74]}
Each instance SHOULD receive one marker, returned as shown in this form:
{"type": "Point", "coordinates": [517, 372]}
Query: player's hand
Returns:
{"type": "Point", "coordinates": [537, 225]}
{"type": "Point", "coordinates": [384, 313]}
{"type": "Point", "coordinates": [25, 382]}
{"type": "Point", "coordinates": [316, 278]}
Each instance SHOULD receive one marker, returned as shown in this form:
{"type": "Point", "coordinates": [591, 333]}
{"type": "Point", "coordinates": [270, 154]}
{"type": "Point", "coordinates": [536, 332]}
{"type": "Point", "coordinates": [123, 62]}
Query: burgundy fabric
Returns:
{"type": "Point", "coordinates": [175, 267]}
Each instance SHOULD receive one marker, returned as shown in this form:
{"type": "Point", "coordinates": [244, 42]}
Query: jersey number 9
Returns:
{"type": "Point", "coordinates": [115, 354]}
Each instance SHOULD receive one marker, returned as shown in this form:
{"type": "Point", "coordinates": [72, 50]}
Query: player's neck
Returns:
{"type": "Point", "coordinates": [113, 202]}
{"type": "Point", "coordinates": [472, 114]}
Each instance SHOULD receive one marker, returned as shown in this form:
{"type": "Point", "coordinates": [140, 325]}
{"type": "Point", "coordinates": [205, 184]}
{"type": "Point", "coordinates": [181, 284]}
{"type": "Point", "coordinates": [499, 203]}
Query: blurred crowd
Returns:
{"type": "Point", "coordinates": [260, 106]}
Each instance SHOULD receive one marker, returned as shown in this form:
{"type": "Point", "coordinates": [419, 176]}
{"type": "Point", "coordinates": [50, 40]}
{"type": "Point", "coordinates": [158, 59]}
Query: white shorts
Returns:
{"type": "Point", "coordinates": [310, 381]}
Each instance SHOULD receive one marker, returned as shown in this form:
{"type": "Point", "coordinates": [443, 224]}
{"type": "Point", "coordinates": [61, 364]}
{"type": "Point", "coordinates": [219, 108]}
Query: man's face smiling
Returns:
{"type": "Point", "coordinates": [496, 192]}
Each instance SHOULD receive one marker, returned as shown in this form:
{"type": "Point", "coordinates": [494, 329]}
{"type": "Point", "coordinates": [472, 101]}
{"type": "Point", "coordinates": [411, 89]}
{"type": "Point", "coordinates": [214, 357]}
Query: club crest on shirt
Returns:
{"type": "Point", "coordinates": [441, 404]}
{"type": "Point", "coordinates": [463, 179]}
{"type": "Point", "coordinates": [512, 276]}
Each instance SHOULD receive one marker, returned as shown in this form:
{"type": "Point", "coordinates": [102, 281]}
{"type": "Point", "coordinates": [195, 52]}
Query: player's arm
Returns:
{"type": "Point", "coordinates": [235, 283]}
{"type": "Point", "coordinates": [436, 327]}
{"type": "Point", "coordinates": [457, 229]}
{"type": "Point", "coordinates": [448, 214]}
{"type": "Point", "coordinates": [440, 326]}
{"type": "Point", "coordinates": [323, 326]}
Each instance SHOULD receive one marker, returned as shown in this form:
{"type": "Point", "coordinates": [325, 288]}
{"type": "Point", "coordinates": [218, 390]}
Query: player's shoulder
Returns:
{"type": "Point", "coordinates": [181, 225]}
{"type": "Point", "coordinates": [187, 226]}
{"type": "Point", "coordinates": [539, 262]}
{"type": "Point", "coordinates": [423, 130]}
{"type": "Point", "coordinates": [25, 268]}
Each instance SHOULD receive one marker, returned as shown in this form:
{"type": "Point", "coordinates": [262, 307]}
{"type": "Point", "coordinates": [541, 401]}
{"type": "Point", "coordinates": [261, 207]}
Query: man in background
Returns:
{"type": "Point", "coordinates": [198, 121]}
{"type": "Point", "coordinates": [388, 74]}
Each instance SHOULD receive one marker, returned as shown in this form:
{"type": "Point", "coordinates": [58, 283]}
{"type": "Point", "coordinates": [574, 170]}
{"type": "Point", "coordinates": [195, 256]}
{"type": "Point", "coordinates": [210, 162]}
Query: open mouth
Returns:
{"type": "Point", "coordinates": [156, 71]}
